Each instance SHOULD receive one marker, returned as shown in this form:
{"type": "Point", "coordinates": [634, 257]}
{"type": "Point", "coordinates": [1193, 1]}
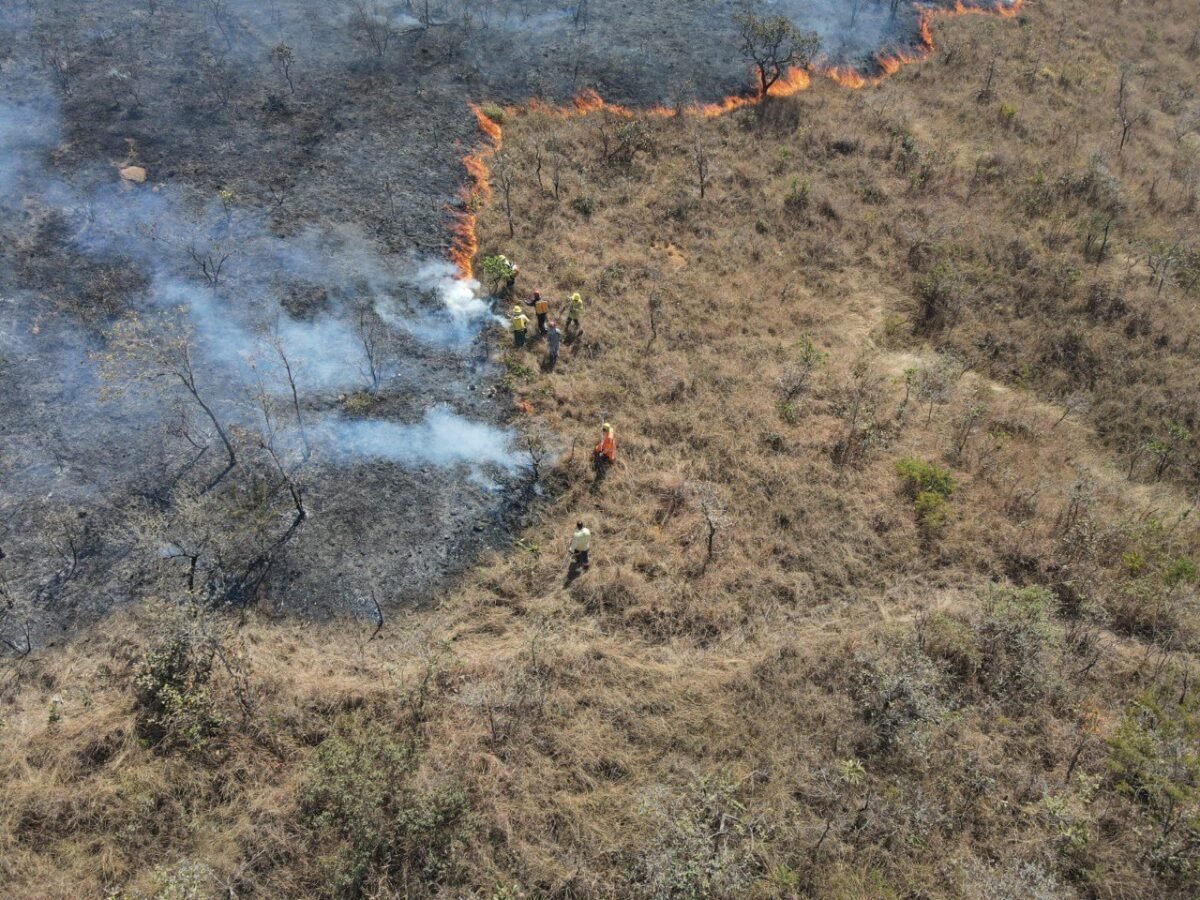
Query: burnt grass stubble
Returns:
{"type": "Point", "coordinates": [352, 134]}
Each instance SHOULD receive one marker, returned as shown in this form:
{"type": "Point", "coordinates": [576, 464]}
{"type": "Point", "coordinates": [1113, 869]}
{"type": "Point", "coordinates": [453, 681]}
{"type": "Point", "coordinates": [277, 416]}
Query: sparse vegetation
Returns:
{"type": "Point", "coordinates": [893, 591]}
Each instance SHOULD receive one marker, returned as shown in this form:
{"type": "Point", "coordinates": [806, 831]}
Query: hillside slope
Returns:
{"type": "Point", "coordinates": [918, 363]}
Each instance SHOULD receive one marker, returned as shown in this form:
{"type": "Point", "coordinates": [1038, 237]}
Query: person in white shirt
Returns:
{"type": "Point", "coordinates": [581, 545]}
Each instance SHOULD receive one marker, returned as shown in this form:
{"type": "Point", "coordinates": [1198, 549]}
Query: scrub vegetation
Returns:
{"type": "Point", "coordinates": [893, 586]}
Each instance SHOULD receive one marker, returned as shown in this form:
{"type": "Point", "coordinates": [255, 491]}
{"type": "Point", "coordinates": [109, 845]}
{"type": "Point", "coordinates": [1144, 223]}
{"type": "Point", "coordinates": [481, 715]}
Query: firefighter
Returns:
{"type": "Point", "coordinates": [581, 545]}
{"type": "Point", "coordinates": [510, 283]}
{"type": "Point", "coordinates": [575, 313]}
{"type": "Point", "coordinates": [606, 450]}
{"type": "Point", "coordinates": [553, 341]}
{"type": "Point", "coordinates": [541, 309]}
{"type": "Point", "coordinates": [520, 325]}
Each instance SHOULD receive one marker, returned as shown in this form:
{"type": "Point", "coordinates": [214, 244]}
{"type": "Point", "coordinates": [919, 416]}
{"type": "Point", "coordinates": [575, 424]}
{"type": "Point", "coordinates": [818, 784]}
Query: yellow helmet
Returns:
{"type": "Point", "coordinates": [606, 427]}
{"type": "Point", "coordinates": [516, 311]}
{"type": "Point", "coordinates": [576, 298]}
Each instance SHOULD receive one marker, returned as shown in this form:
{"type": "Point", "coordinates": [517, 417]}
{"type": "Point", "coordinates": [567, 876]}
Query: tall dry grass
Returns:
{"type": "Point", "coordinates": [857, 695]}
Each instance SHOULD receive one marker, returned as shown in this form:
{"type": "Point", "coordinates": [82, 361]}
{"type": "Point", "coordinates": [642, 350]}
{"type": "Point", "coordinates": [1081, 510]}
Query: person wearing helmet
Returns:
{"type": "Point", "coordinates": [520, 325]}
{"type": "Point", "coordinates": [606, 450]}
{"type": "Point", "coordinates": [541, 309]}
{"type": "Point", "coordinates": [553, 341]}
{"type": "Point", "coordinates": [575, 313]}
{"type": "Point", "coordinates": [510, 283]}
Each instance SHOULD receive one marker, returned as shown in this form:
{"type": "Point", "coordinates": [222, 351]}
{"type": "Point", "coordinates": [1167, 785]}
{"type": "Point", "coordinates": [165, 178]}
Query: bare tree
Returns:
{"type": "Point", "coordinates": [538, 447]}
{"type": "Point", "coordinates": [370, 336]}
{"type": "Point", "coordinates": [289, 374]}
{"type": "Point", "coordinates": [712, 509]}
{"type": "Point", "coordinates": [775, 45]}
{"type": "Point", "coordinates": [284, 57]}
{"type": "Point", "coordinates": [701, 160]}
{"type": "Point", "coordinates": [371, 27]}
{"type": "Point", "coordinates": [1126, 115]}
{"type": "Point", "coordinates": [162, 351]}
{"type": "Point", "coordinates": [654, 306]}
{"type": "Point", "coordinates": [210, 261]}
{"type": "Point", "coordinates": [216, 9]}
{"type": "Point", "coordinates": [502, 174]}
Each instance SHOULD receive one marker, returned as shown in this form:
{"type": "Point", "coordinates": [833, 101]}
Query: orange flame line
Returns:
{"type": "Point", "coordinates": [478, 191]}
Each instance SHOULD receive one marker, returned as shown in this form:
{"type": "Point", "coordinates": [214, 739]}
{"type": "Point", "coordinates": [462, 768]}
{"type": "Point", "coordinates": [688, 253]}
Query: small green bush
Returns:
{"type": "Point", "coordinates": [798, 198]}
{"type": "Point", "coordinates": [584, 205]}
{"type": "Point", "coordinates": [1017, 641]}
{"type": "Point", "coordinates": [175, 707]}
{"type": "Point", "coordinates": [494, 112]}
{"type": "Point", "coordinates": [933, 512]}
{"type": "Point", "coordinates": [1180, 571]}
{"type": "Point", "coordinates": [498, 269]}
{"type": "Point", "coordinates": [373, 830]}
{"type": "Point", "coordinates": [925, 477]}
{"type": "Point", "coordinates": [1152, 758]}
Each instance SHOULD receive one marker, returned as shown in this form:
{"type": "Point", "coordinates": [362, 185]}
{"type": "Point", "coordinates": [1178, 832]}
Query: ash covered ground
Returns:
{"type": "Point", "coordinates": [266, 323]}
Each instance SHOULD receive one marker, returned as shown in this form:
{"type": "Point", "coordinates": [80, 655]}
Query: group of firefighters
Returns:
{"type": "Point", "coordinates": [519, 322]}
{"type": "Point", "coordinates": [605, 451]}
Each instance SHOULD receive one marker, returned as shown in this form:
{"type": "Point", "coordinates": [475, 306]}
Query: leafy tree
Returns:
{"type": "Point", "coordinates": [774, 45]}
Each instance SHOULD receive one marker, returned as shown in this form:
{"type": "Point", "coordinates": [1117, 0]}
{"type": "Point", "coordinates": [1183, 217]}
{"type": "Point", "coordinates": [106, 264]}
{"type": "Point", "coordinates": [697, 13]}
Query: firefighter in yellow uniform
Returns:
{"type": "Point", "coordinates": [575, 313]}
{"type": "Point", "coordinates": [541, 308]}
{"type": "Point", "coordinates": [520, 326]}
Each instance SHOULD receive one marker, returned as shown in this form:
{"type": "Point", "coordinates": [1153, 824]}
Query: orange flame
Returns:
{"type": "Point", "coordinates": [478, 191]}
{"type": "Point", "coordinates": [464, 240]}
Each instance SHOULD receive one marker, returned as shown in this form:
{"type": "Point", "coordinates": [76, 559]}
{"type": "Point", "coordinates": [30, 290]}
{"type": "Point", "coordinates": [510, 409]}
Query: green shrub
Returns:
{"type": "Point", "coordinates": [494, 112]}
{"type": "Point", "coordinates": [1180, 571]}
{"type": "Point", "coordinates": [898, 693]}
{"type": "Point", "coordinates": [1017, 641]}
{"type": "Point", "coordinates": [797, 199]}
{"type": "Point", "coordinates": [174, 703]}
{"type": "Point", "coordinates": [925, 477]}
{"type": "Point", "coordinates": [1152, 758]}
{"type": "Point", "coordinates": [584, 205]}
{"type": "Point", "coordinates": [933, 512]}
{"type": "Point", "coordinates": [373, 830]}
{"type": "Point", "coordinates": [498, 269]}
{"type": "Point", "coordinates": [704, 845]}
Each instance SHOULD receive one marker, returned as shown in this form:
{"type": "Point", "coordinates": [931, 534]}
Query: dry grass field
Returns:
{"type": "Point", "coordinates": [894, 584]}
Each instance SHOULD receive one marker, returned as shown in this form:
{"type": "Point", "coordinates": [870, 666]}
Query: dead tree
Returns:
{"type": "Point", "coordinates": [1126, 115]}
{"type": "Point", "coordinates": [654, 306]}
{"type": "Point", "coordinates": [701, 159]}
{"type": "Point", "coordinates": [371, 27]}
{"type": "Point", "coordinates": [716, 517]}
{"type": "Point", "coordinates": [284, 57]}
{"type": "Point", "coordinates": [538, 448]}
{"type": "Point", "coordinates": [163, 351]}
{"type": "Point", "coordinates": [371, 339]}
{"type": "Point", "coordinates": [211, 262]}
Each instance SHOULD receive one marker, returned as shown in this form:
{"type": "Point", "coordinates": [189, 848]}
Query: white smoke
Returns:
{"type": "Point", "coordinates": [465, 311]}
{"type": "Point", "coordinates": [442, 438]}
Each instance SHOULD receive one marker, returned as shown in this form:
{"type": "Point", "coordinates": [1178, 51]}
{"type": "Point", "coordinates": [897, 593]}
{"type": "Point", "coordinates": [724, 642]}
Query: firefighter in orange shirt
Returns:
{"type": "Point", "coordinates": [606, 450]}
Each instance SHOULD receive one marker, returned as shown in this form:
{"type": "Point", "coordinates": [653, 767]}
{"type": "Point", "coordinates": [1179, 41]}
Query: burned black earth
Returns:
{"type": "Point", "coordinates": [235, 362]}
